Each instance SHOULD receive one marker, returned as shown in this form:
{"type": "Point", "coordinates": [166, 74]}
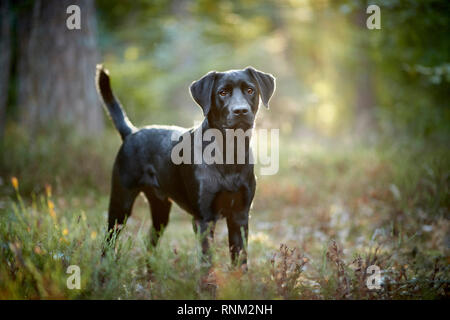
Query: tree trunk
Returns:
{"type": "Point", "coordinates": [5, 60]}
{"type": "Point", "coordinates": [56, 67]}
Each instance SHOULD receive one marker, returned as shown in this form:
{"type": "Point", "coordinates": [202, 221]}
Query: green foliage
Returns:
{"type": "Point", "coordinates": [64, 160]}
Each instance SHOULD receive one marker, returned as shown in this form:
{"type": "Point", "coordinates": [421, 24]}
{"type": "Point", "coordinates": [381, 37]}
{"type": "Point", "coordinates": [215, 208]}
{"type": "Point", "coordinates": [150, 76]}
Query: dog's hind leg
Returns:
{"type": "Point", "coordinates": [160, 209]}
{"type": "Point", "coordinates": [120, 206]}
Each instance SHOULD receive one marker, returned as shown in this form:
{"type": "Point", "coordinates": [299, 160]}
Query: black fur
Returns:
{"type": "Point", "coordinates": [229, 100]}
{"type": "Point", "coordinates": [117, 114]}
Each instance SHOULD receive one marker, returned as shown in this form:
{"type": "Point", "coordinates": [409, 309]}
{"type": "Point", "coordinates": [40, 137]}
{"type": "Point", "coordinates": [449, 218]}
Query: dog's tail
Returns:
{"type": "Point", "coordinates": [115, 110]}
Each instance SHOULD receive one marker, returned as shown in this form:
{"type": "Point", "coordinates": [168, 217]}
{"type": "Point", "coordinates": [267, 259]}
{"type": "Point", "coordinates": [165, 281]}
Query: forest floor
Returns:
{"type": "Point", "coordinates": [333, 210]}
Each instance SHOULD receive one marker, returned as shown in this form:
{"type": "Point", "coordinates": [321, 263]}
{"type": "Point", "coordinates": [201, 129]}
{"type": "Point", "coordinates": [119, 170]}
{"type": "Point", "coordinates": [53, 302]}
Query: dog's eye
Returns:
{"type": "Point", "coordinates": [223, 93]}
{"type": "Point", "coordinates": [250, 90]}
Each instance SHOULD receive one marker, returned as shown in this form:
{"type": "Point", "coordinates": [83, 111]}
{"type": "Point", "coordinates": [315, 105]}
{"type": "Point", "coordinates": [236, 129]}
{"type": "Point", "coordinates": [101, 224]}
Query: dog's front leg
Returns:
{"type": "Point", "coordinates": [237, 224]}
{"type": "Point", "coordinates": [205, 231]}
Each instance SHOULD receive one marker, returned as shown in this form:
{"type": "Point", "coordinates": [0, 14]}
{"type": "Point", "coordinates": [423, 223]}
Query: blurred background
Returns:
{"type": "Point", "coordinates": [363, 114]}
{"type": "Point", "coordinates": [334, 75]}
{"type": "Point", "coordinates": [336, 78]}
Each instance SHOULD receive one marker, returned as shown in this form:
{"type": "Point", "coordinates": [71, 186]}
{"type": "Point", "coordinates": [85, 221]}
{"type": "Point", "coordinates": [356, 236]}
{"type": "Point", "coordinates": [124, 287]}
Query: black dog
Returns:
{"type": "Point", "coordinates": [229, 100]}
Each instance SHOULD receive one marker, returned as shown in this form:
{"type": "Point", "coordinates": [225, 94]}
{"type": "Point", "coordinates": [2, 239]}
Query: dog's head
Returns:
{"type": "Point", "coordinates": [230, 100]}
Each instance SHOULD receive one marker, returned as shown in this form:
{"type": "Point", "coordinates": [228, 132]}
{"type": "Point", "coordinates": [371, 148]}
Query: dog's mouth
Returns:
{"type": "Point", "coordinates": [240, 124]}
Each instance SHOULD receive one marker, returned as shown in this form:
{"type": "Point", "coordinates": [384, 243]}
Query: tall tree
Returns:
{"type": "Point", "coordinates": [5, 59]}
{"type": "Point", "coordinates": [56, 66]}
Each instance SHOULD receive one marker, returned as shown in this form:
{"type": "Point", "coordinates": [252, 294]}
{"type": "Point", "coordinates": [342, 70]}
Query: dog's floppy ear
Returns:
{"type": "Point", "coordinates": [201, 91]}
{"type": "Point", "coordinates": [265, 82]}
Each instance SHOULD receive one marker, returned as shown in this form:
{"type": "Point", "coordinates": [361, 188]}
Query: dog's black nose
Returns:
{"type": "Point", "coordinates": [240, 110]}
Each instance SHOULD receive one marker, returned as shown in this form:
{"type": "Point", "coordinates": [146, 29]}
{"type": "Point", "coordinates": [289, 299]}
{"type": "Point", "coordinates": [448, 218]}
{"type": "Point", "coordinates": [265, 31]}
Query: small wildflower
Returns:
{"type": "Point", "coordinates": [93, 235]}
{"type": "Point", "coordinates": [64, 240]}
{"type": "Point", "coordinates": [51, 208]}
{"type": "Point", "coordinates": [65, 232]}
{"type": "Point", "coordinates": [15, 183]}
{"type": "Point", "coordinates": [48, 190]}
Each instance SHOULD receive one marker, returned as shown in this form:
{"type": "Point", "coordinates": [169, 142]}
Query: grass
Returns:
{"type": "Point", "coordinates": [333, 210]}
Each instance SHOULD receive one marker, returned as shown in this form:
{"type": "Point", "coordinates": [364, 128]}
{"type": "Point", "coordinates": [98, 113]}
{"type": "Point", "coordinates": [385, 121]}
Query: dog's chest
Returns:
{"type": "Point", "coordinates": [213, 180]}
{"type": "Point", "coordinates": [226, 202]}
{"type": "Point", "coordinates": [228, 190]}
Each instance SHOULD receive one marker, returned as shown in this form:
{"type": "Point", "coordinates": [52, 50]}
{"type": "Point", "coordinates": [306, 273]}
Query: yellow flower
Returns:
{"type": "Point", "coordinates": [15, 183]}
{"type": "Point", "coordinates": [93, 235]}
{"type": "Point", "coordinates": [48, 190]}
{"type": "Point", "coordinates": [65, 232]}
{"type": "Point", "coordinates": [51, 208]}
